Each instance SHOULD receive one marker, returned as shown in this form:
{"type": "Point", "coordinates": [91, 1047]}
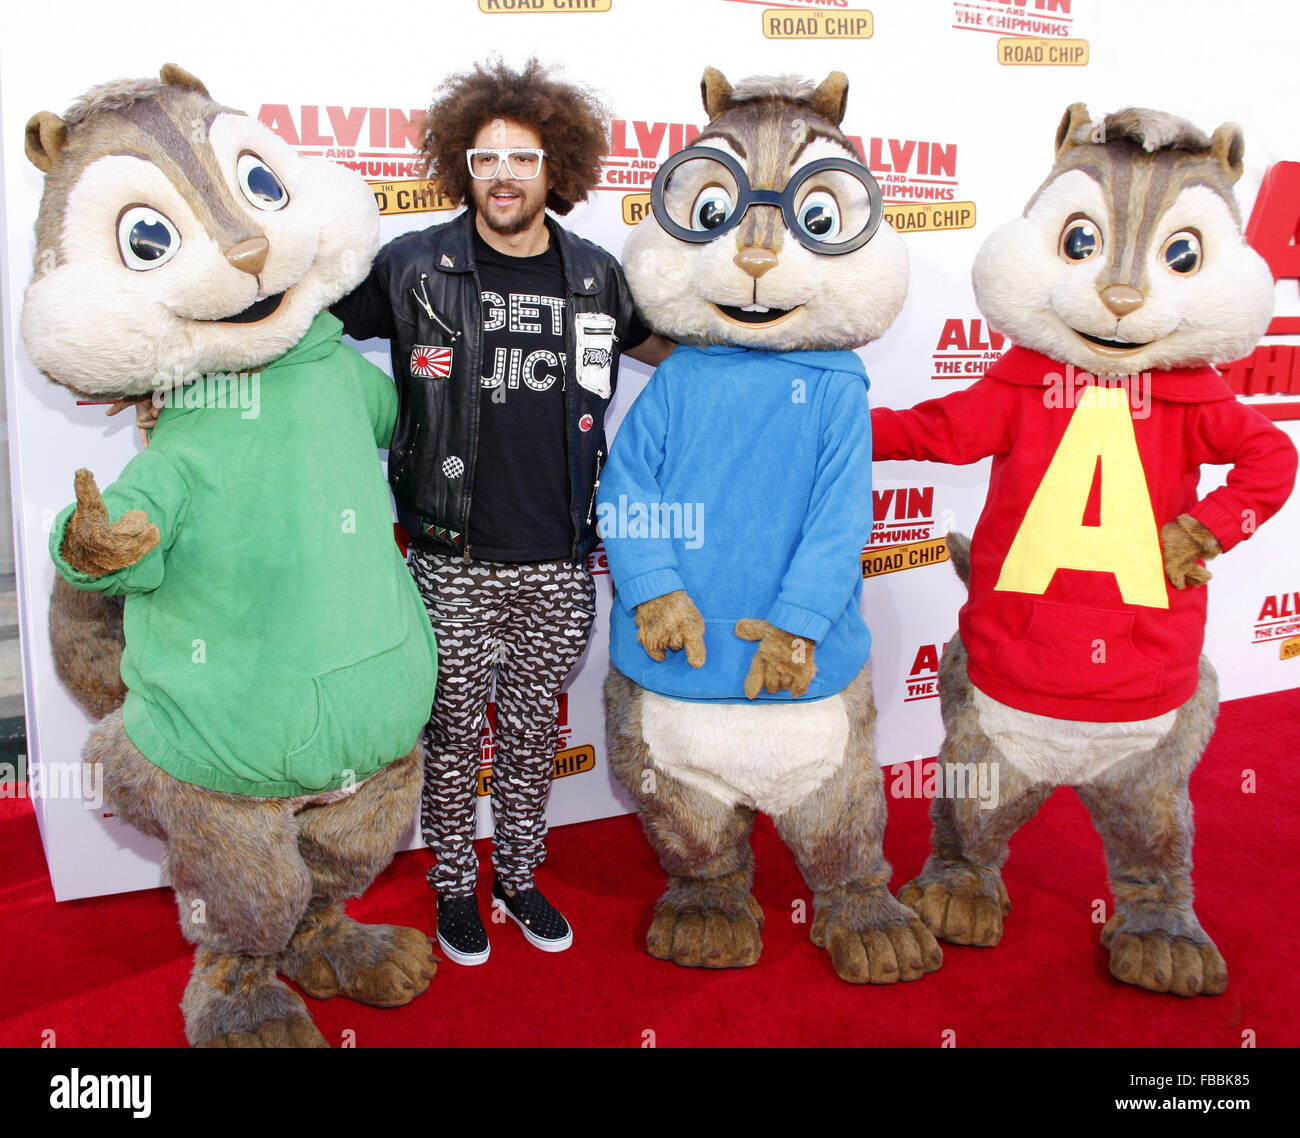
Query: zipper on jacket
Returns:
{"type": "Point", "coordinates": [422, 299]}
{"type": "Point", "coordinates": [570, 408]}
{"type": "Point", "coordinates": [452, 335]}
{"type": "Point", "coordinates": [476, 368]}
{"type": "Point", "coordinates": [591, 509]}
{"type": "Point", "coordinates": [410, 451]}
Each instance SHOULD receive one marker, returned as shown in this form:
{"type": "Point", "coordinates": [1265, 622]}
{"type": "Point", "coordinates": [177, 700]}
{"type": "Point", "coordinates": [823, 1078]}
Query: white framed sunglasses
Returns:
{"type": "Point", "coordinates": [522, 162]}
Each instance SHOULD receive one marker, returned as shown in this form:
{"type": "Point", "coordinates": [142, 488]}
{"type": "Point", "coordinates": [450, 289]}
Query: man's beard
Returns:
{"type": "Point", "coordinates": [520, 223]}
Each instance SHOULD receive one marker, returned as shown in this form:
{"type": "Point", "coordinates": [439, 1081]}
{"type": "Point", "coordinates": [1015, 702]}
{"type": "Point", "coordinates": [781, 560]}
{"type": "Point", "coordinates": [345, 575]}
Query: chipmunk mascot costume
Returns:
{"type": "Point", "coordinates": [734, 508]}
{"type": "Point", "coordinates": [1078, 661]}
{"type": "Point", "coordinates": [278, 664]}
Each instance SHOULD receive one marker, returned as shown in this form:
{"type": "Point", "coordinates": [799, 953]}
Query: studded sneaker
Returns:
{"type": "Point", "coordinates": [460, 930]}
{"type": "Point", "coordinates": [540, 922]}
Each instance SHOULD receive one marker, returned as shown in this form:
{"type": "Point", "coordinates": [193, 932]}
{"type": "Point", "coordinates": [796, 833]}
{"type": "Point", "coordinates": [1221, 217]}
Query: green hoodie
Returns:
{"type": "Point", "coordinates": [276, 644]}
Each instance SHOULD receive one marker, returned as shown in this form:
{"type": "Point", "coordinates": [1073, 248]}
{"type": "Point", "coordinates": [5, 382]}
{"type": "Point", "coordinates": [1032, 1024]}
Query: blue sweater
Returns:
{"type": "Point", "coordinates": [743, 477]}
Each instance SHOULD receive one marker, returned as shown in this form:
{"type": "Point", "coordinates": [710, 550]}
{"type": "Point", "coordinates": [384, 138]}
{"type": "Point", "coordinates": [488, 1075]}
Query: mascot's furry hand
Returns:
{"type": "Point", "coordinates": [782, 660]}
{"type": "Point", "coordinates": [671, 622]}
{"type": "Point", "coordinates": [1182, 542]}
{"type": "Point", "coordinates": [94, 545]}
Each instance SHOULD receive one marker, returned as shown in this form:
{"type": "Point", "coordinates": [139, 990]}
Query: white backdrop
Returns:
{"type": "Point", "coordinates": [958, 132]}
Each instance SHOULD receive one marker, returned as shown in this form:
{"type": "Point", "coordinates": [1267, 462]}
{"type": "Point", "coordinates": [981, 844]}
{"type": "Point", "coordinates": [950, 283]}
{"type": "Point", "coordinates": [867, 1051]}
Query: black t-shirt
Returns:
{"type": "Point", "coordinates": [520, 505]}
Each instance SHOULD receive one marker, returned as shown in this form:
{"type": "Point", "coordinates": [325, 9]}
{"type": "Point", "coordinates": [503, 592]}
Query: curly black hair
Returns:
{"type": "Point", "coordinates": [571, 121]}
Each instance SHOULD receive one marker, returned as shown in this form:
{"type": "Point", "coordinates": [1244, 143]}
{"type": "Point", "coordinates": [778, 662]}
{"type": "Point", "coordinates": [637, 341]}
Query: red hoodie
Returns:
{"type": "Point", "coordinates": [1070, 614]}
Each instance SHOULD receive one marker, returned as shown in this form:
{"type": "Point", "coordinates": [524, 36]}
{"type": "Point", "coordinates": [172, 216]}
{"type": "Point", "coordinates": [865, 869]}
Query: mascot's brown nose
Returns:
{"type": "Point", "coordinates": [249, 255]}
{"type": "Point", "coordinates": [1121, 299]}
{"type": "Point", "coordinates": [756, 261]}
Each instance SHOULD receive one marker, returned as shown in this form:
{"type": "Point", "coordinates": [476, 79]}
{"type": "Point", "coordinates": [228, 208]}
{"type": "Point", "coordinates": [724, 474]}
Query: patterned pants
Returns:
{"type": "Point", "coordinates": [527, 624]}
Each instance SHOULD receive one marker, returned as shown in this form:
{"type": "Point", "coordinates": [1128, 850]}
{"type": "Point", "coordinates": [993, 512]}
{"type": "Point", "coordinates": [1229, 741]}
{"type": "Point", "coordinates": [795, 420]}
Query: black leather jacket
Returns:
{"type": "Point", "coordinates": [423, 292]}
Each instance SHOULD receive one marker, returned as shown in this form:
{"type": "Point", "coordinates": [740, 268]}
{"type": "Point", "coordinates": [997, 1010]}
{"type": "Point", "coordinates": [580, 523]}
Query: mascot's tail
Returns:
{"type": "Point", "coordinates": [959, 555]}
{"type": "Point", "coordinates": [86, 635]}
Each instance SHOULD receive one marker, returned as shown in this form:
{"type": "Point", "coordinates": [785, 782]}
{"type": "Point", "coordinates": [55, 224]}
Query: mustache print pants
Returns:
{"type": "Point", "coordinates": [525, 625]}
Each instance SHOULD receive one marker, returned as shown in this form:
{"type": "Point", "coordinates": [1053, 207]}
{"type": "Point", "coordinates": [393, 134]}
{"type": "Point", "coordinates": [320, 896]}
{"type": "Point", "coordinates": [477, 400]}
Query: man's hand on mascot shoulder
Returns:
{"type": "Point", "coordinates": [653, 350]}
{"type": "Point", "coordinates": [146, 413]}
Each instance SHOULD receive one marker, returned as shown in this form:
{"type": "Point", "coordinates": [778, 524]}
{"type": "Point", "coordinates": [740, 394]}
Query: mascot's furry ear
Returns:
{"type": "Point", "coordinates": [1067, 136]}
{"type": "Point", "coordinates": [47, 134]}
{"type": "Point", "coordinates": [832, 97]}
{"type": "Point", "coordinates": [175, 76]}
{"type": "Point", "coordinates": [1227, 145]}
{"type": "Point", "coordinates": [827, 102]}
{"type": "Point", "coordinates": [715, 91]}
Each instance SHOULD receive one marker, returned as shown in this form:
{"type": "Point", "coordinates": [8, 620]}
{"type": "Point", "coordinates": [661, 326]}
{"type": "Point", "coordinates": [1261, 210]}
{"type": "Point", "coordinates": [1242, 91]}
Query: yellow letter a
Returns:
{"type": "Point", "coordinates": [1052, 535]}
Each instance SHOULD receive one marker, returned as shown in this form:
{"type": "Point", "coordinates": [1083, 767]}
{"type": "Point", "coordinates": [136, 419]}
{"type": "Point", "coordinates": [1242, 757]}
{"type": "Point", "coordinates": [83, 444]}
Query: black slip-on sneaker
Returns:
{"type": "Point", "coordinates": [460, 930]}
{"type": "Point", "coordinates": [541, 923]}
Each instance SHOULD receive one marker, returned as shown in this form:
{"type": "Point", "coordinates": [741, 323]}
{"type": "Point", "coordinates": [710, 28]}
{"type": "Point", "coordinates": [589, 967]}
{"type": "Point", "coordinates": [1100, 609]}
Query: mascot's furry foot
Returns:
{"type": "Point", "coordinates": [707, 924]}
{"type": "Point", "coordinates": [959, 902]}
{"type": "Point", "coordinates": [873, 939]}
{"type": "Point", "coordinates": [237, 1001]}
{"type": "Point", "coordinates": [1183, 961]}
{"type": "Point", "coordinates": [382, 965]}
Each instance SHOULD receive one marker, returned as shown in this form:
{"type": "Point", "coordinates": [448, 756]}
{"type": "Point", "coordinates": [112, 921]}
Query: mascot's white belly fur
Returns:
{"type": "Point", "coordinates": [1063, 751]}
{"type": "Point", "coordinates": [767, 758]}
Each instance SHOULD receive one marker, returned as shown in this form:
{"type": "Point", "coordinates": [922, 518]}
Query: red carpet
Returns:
{"type": "Point", "coordinates": [110, 971]}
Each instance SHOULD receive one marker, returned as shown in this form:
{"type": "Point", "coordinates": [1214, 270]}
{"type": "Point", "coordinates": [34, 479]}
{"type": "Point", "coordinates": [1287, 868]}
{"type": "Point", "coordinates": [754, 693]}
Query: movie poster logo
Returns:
{"type": "Point", "coordinates": [569, 759]}
{"type": "Point", "coordinates": [811, 19]}
{"type": "Point", "coordinates": [904, 534]}
{"type": "Point", "coordinates": [541, 7]}
{"type": "Point", "coordinates": [1015, 51]}
{"type": "Point", "coordinates": [636, 208]}
{"type": "Point", "coordinates": [796, 6]}
{"type": "Point", "coordinates": [965, 349]}
{"type": "Point", "coordinates": [413, 195]}
{"type": "Point", "coordinates": [598, 562]}
{"type": "Point", "coordinates": [1031, 33]}
{"type": "Point", "coordinates": [636, 147]}
{"type": "Point", "coordinates": [1269, 378]}
{"type": "Point", "coordinates": [380, 143]}
{"type": "Point", "coordinates": [1279, 623]}
{"type": "Point", "coordinates": [836, 24]}
{"type": "Point", "coordinates": [918, 178]}
{"type": "Point", "coordinates": [923, 676]}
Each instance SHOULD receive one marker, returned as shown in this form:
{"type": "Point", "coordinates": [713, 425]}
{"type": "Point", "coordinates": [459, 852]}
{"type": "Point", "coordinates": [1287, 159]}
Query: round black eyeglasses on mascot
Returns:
{"type": "Point", "coordinates": [825, 220]}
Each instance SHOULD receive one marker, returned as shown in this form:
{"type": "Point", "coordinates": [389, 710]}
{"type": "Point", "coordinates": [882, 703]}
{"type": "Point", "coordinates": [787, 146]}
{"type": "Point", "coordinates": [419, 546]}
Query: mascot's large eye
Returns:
{"type": "Point", "coordinates": [259, 183]}
{"type": "Point", "coordinates": [712, 207]}
{"type": "Point", "coordinates": [1182, 253]}
{"type": "Point", "coordinates": [145, 238]}
{"type": "Point", "coordinates": [1080, 240]}
{"type": "Point", "coordinates": [819, 216]}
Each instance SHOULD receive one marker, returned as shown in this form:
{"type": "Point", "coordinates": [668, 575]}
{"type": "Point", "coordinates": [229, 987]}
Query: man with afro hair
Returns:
{"type": "Point", "coordinates": [506, 331]}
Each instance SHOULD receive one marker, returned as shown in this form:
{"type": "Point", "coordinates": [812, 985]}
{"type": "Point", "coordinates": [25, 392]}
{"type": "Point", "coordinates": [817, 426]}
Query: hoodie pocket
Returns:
{"type": "Point", "coordinates": [367, 713]}
{"type": "Point", "coordinates": [1079, 653]}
